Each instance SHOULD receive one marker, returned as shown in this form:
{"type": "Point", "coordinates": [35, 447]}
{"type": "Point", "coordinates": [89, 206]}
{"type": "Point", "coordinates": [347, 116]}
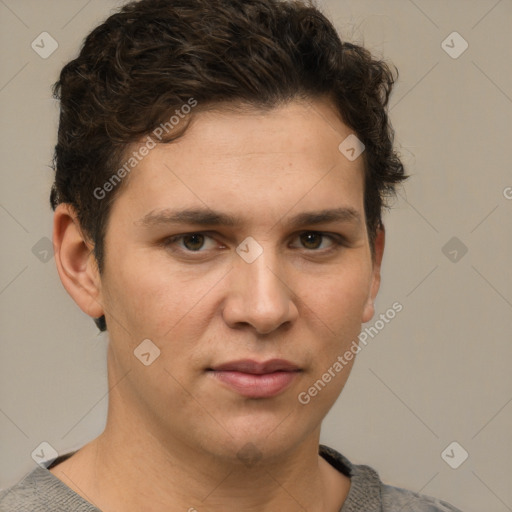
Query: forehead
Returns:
{"type": "Point", "coordinates": [274, 160]}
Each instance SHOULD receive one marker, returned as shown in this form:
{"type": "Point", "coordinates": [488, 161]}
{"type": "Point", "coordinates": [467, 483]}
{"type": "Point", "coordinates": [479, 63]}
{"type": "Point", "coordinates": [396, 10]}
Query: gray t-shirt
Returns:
{"type": "Point", "coordinates": [41, 491]}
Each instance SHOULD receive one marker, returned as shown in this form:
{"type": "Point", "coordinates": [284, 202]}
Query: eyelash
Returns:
{"type": "Point", "coordinates": [337, 241]}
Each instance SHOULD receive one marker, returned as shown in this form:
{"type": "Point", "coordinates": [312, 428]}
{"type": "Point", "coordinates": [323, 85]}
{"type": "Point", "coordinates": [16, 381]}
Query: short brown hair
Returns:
{"type": "Point", "coordinates": [151, 57]}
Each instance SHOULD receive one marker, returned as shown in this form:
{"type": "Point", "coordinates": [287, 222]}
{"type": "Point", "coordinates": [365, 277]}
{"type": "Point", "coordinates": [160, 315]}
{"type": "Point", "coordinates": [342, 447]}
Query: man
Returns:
{"type": "Point", "coordinates": [221, 168]}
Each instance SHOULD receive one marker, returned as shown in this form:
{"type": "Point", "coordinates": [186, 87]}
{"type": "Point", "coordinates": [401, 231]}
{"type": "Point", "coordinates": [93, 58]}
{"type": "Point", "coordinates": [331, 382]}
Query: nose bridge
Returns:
{"type": "Point", "coordinates": [258, 295]}
{"type": "Point", "coordinates": [264, 279]}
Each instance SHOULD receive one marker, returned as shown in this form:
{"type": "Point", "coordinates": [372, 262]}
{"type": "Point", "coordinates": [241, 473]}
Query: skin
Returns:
{"type": "Point", "coordinates": [174, 433]}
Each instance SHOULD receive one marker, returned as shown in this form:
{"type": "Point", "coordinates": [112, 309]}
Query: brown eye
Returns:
{"type": "Point", "coordinates": [190, 243]}
{"type": "Point", "coordinates": [193, 242]}
{"type": "Point", "coordinates": [311, 240]}
{"type": "Point", "coordinates": [318, 242]}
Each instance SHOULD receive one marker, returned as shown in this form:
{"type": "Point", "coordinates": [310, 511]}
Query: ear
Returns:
{"type": "Point", "coordinates": [75, 261]}
{"type": "Point", "coordinates": [369, 308]}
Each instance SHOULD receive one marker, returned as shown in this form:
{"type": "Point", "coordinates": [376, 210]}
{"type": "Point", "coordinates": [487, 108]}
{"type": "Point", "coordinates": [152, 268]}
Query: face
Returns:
{"type": "Point", "coordinates": [242, 243]}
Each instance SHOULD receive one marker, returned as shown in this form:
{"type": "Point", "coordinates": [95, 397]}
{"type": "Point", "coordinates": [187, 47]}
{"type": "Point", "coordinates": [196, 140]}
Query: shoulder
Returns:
{"type": "Point", "coordinates": [396, 498]}
{"type": "Point", "coordinates": [41, 491]}
{"type": "Point", "coordinates": [23, 496]}
{"type": "Point", "coordinates": [369, 494]}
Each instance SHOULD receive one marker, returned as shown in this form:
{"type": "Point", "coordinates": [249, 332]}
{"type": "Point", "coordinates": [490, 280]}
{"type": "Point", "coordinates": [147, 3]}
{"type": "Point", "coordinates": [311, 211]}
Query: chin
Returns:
{"type": "Point", "coordinates": [259, 436]}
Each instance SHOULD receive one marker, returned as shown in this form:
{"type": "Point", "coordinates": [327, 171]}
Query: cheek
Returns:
{"type": "Point", "coordinates": [154, 299]}
{"type": "Point", "coordinates": [339, 298]}
{"type": "Point", "coordinates": [336, 312]}
{"type": "Point", "coordinates": [135, 297]}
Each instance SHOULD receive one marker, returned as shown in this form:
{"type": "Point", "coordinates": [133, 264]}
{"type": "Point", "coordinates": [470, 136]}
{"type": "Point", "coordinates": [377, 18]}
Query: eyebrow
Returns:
{"type": "Point", "coordinates": [208, 217]}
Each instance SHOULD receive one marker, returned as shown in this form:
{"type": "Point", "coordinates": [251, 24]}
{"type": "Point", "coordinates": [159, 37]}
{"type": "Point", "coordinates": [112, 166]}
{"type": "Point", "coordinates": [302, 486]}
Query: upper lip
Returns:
{"type": "Point", "coordinates": [255, 367]}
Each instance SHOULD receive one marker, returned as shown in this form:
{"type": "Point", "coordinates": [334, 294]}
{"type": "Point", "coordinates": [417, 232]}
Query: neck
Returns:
{"type": "Point", "coordinates": [143, 475]}
{"type": "Point", "coordinates": [137, 474]}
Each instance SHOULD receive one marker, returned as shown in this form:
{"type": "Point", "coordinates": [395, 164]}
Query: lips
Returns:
{"type": "Point", "coordinates": [257, 368]}
{"type": "Point", "coordinates": [255, 379]}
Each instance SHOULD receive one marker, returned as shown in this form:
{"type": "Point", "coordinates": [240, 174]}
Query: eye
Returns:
{"type": "Point", "coordinates": [191, 242]}
{"type": "Point", "coordinates": [312, 240]}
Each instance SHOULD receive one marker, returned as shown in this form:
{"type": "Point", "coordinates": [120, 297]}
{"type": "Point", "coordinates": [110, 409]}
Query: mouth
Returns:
{"type": "Point", "coordinates": [254, 379]}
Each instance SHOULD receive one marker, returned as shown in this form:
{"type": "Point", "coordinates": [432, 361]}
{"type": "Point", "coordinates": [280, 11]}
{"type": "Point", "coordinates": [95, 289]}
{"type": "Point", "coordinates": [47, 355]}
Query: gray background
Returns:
{"type": "Point", "coordinates": [439, 372]}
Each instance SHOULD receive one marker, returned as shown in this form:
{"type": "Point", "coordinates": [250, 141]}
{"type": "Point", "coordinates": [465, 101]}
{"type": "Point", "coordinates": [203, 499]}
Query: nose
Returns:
{"type": "Point", "coordinates": [258, 295]}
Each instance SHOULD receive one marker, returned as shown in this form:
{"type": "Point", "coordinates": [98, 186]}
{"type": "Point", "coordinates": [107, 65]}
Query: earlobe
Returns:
{"type": "Point", "coordinates": [75, 261]}
{"type": "Point", "coordinates": [369, 309]}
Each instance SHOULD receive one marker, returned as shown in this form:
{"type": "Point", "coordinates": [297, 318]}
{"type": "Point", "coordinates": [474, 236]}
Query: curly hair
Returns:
{"type": "Point", "coordinates": [149, 58]}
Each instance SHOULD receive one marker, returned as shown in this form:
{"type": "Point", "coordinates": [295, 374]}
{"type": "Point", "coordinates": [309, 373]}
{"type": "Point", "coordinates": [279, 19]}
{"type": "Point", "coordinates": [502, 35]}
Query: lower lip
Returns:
{"type": "Point", "coordinates": [256, 386]}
